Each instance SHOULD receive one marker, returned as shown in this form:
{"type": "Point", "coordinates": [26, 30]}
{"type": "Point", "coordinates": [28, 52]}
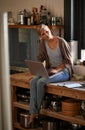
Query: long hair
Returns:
{"type": "Point", "coordinates": [47, 28]}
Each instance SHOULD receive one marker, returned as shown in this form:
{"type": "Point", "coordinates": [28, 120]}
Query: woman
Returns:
{"type": "Point", "coordinates": [54, 52]}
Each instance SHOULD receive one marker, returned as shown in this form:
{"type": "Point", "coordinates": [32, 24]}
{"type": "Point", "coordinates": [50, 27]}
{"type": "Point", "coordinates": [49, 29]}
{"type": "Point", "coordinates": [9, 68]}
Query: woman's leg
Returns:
{"type": "Point", "coordinates": [33, 95]}
{"type": "Point", "coordinates": [59, 77]}
{"type": "Point", "coordinates": [37, 91]}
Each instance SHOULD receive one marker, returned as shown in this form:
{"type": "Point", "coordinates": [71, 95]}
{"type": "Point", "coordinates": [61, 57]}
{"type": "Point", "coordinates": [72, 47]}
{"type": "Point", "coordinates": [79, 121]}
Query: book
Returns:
{"type": "Point", "coordinates": [69, 84]}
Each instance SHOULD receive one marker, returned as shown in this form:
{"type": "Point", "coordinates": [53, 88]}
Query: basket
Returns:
{"type": "Point", "coordinates": [71, 107]}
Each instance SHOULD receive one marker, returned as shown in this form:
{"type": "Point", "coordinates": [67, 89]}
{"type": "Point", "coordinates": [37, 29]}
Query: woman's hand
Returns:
{"type": "Point", "coordinates": [52, 71]}
{"type": "Point", "coordinates": [55, 70]}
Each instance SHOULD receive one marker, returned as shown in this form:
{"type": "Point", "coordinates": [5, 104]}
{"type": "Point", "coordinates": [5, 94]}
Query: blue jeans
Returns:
{"type": "Point", "coordinates": [37, 89]}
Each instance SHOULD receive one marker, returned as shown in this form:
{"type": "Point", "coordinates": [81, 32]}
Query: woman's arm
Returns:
{"type": "Point", "coordinates": [56, 69]}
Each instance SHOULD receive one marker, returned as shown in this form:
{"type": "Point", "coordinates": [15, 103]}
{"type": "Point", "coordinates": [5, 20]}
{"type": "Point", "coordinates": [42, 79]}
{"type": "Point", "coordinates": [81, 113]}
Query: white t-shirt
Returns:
{"type": "Point", "coordinates": [54, 55]}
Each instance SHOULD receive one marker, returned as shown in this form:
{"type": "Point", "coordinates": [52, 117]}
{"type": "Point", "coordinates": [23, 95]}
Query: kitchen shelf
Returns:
{"type": "Point", "coordinates": [21, 105]}
{"type": "Point", "coordinates": [47, 112]}
{"type": "Point", "coordinates": [17, 125]}
{"type": "Point", "coordinates": [56, 29]}
{"type": "Point", "coordinates": [77, 119]}
{"type": "Point", "coordinates": [34, 26]}
{"type": "Point", "coordinates": [21, 80]}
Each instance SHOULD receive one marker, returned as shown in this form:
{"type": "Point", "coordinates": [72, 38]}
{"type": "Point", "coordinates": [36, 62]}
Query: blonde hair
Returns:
{"type": "Point", "coordinates": [43, 26]}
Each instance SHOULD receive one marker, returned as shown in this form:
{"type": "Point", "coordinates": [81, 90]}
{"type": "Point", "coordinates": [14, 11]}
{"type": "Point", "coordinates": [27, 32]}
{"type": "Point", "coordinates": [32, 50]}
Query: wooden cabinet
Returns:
{"type": "Point", "coordinates": [24, 41]}
{"type": "Point", "coordinates": [21, 80]}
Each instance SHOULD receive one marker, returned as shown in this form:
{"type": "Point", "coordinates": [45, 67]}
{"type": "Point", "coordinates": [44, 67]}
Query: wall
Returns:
{"type": "Point", "coordinates": [55, 6]}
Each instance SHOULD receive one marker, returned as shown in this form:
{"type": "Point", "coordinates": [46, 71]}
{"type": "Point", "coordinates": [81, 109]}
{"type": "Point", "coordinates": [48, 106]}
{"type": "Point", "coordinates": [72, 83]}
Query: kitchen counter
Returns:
{"type": "Point", "coordinates": [23, 79]}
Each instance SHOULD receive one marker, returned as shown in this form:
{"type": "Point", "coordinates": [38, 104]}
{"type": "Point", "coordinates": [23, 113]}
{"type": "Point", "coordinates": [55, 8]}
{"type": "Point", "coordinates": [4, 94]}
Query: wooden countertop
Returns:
{"type": "Point", "coordinates": [25, 77]}
{"type": "Point", "coordinates": [23, 80]}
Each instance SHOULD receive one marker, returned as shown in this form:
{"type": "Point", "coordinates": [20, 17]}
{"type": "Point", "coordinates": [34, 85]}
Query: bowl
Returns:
{"type": "Point", "coordinates": [71, 107]}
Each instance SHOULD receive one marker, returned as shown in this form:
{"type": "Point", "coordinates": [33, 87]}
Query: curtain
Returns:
{"type": "Point", "coordinates": [78, 32]}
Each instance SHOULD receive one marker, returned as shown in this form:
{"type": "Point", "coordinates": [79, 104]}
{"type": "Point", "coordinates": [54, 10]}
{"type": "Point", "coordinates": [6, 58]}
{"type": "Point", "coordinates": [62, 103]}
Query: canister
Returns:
{"type": "Point", "coordinates": [24, 119]}
{"type": "Point", "coordinates": [20, 17]}
{"type": "Point", "coordinates": [49, 125]}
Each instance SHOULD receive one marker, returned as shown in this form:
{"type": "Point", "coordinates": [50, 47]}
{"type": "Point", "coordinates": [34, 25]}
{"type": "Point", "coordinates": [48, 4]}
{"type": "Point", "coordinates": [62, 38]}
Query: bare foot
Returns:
{"type": "Point", "coordinates": [31, 118]}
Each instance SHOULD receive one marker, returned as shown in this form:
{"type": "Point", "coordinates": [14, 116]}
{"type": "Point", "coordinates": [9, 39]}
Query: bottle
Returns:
{"type": "Point", "coordinates": [25, 16]}
{"type": "Point", "coordinates": [49, 18]}
{"type": "Point", "coordinates": [43, 15]}
{"type": "Point", "coordinates": [29, 20]}
{"type": "Point", "coordinates": [32, 19]}
{"type": "Point", "coordinates": [20, 19]}
{"type": "Point", "coordinates": [34, 10]}
{"type": "Point", "coordinates": [37, 17]}
{"type": "Point", "coordinates": [53, 20]}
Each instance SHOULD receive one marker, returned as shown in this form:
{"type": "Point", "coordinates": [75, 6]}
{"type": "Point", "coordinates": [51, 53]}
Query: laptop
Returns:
{"type": "Point", "coordinates": [37, 68]}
